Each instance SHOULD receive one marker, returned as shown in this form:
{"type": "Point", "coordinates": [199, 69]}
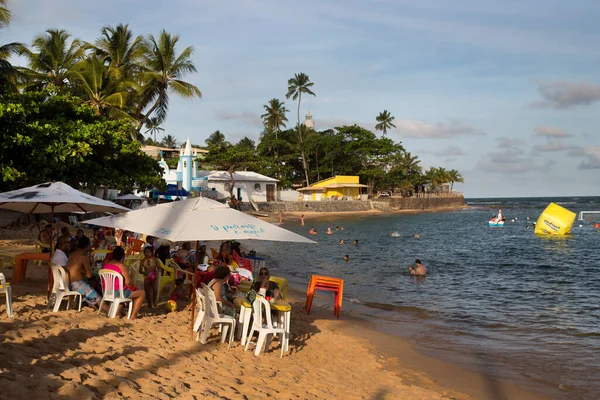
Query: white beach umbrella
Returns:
{"type": "Point", "coordinates": [130, 196]}
{"type": "Point", "coordinates": [198, 219]}
{"type": "Point", "coordinates": [55, 198]}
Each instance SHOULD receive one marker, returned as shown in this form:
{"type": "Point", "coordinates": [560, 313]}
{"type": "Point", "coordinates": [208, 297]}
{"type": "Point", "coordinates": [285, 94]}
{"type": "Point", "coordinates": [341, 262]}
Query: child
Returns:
{"type": "Point", "coordinates": [149, 268]}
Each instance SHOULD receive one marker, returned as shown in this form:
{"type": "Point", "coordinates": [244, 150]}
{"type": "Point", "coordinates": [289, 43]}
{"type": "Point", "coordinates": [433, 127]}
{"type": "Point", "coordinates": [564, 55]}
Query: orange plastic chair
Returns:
{"type": "Point", "coordinates": [135, 248]}
{"type": "Point", "coordinates": [326, 283]}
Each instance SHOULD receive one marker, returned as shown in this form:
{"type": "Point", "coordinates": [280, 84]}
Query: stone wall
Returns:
{"type": "Point", "coordinates": [385, 205]}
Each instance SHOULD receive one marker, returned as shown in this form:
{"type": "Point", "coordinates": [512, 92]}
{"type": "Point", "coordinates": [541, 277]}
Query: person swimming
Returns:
{"type": "Point", "coordinates": [313, 231]}
{"type": "Point", "coordinates": [346, 258]}
{"type": "Point", "coordinates": [329, 232]}
{"type": "Point", "coordinates": [394, 234]}
{"type": "Point", "coordinates": [341, 241]}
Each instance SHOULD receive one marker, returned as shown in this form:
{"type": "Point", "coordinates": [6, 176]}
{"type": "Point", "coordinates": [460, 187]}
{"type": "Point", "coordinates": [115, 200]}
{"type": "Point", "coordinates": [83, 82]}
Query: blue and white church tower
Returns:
{"type": "Point", "coordinates": [187, 168]}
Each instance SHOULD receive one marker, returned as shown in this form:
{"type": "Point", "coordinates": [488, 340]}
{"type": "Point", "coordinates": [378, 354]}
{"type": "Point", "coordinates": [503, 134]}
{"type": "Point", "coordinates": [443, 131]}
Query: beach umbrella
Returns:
{"type": "Point", "coordinates": [130, 196]}
{"type": "Point", "coordinates": [198, 219]}
{"type": "Point", "coordinates": [55, 198]}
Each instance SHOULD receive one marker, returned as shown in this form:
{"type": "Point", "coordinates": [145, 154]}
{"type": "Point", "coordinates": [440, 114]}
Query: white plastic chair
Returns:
{"type": "Point", "coordinates": [265, 330]}
{"type": "Point", "coordinates": [110, 279]}
{"type": "Point", "coordinates": [213, 317]}
{"type": "Point", "coordinates": [5, 289]}
{"type": "Point", "coordinates": [61, 288]}
{"type": "Point", "coordinates": [200, 318]}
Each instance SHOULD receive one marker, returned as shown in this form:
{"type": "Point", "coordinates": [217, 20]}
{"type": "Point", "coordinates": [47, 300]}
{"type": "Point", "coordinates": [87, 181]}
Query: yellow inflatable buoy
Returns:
{"type": "Point", "coordinates": [555, 220]}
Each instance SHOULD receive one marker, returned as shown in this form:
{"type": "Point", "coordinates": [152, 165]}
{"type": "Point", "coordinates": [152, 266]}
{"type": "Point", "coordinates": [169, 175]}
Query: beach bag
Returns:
{"type": "Point", "coordinates": [251, 295]}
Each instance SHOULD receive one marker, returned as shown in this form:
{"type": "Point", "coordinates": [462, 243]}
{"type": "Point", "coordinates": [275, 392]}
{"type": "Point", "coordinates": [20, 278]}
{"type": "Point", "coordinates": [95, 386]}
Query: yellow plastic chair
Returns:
{"type": "Point", "coordinates": [133, 258]}
{"type": "Point", "coordinates": [39, 246]}
{"type": "Point", "coordinates": [283, 285]}
{"type": "Point", "coordinates": [190, 277]}
{"type": "Point", "coordinates": [134, 273]}
{"type": "Point", "coordinates": [245, 286]}
{"type": "Point", "coordinates": [167, 276]}
{"type": "Point", "coordinates": [6, 260]}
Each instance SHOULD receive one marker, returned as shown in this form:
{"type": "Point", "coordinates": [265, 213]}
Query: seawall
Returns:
{"type": "Point", "coordinates": [384, 205]}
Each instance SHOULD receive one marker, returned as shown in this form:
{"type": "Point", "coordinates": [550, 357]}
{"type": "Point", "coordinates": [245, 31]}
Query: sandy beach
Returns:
{"type": "Point", "coordinates": [85, 356]}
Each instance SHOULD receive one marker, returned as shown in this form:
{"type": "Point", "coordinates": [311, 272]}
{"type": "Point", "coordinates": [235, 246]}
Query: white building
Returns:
{"type": "Point", "coordinates": [247, 185]}
{"type": "Point", "coordinates": [308, 121]}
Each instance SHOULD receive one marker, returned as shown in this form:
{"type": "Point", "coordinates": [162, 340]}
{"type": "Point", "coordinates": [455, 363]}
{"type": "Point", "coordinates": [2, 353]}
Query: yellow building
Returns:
{"type": "Point", "coordinates": [339, 187]}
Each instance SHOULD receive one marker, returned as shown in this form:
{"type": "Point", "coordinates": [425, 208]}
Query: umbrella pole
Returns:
{"type": "Point", "coordinates": [194, 295]}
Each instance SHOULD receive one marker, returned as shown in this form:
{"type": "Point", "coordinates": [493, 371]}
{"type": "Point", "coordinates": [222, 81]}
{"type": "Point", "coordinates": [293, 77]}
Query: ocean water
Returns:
{"type": "Point", "coordinates": [501, 301]}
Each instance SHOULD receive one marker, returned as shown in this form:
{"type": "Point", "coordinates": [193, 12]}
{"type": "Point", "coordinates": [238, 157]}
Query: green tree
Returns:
{"type": "Point", "coordinates": [93, 82]}
{"type": "Point", "coordinates": [53, 61]}
{"type": "Point", "coordinates": [385, 122]}
{"type": "Point", "coordinates": [274, 117]}
{"type": "Point", "coordinates": [231, 158]}
{"type": "Point", "coordinates": [169, 141]}
{"type": "Point", "coordinates": [120, 51]}
{"type": "Point", "coordinates": [5, 15]}
{"type": "Point", "coordinates": [63, 139]}
{"type": "Point", "coordinates": [163, 70]}
{"type": "Point", "coordinates": [454, 176]}
{"type": "Point", "coordinates": [297, 85]}
{"type": "Point", "coordinates": [153, 126]}
{"type": "Point", "coordinates": [216, 139]}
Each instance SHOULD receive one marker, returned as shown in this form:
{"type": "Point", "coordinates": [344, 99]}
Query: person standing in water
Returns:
{"type": "Point", "coordinates": [419, 268]}
{"type": "Point", "coordinates": [302, 219]}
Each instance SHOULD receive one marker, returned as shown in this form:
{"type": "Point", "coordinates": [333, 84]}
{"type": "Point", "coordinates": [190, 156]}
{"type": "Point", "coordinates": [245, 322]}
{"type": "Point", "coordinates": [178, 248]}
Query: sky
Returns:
{"type": "Point", "coordinates": [507, 93]}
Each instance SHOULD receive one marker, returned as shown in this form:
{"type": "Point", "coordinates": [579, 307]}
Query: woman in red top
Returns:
{"type": "Point", "coordinates": [129, 291]}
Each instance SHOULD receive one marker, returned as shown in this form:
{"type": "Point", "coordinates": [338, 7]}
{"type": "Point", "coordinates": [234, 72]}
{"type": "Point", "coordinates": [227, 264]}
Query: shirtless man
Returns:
{"type": "Point", "coordinates": [46, 238]}
{"type": "Point", "coordinates": [79, 269]}
{"type": "Point", "coordinates": [419, 270]}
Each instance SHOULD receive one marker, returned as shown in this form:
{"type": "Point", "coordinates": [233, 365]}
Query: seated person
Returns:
{"type": "Point", "coordinates": [60, 253]}
{"type": "Point", "coordinates": [45, 237]}
{"type": "Point", "coordinates": [183, 257]}
{"type": "Point", "coordinates": [225, 255]}
{"type": "Point", "coordinates": [78, 268]}
{"type": "Point", "coordinates": [205, 276]}
{"type": "Point", "coordinates": [163, 252]}
{"type": "Point", "coordinates": [265, 287]}
{"type": "Point", "coordinates": [150, 268]}
{"type": "Point", "coordinates": [218, 285]}
{"type": "Point", "coordinates": [202, 255]}
{"type": "Point", "coordinates": [129, 291]}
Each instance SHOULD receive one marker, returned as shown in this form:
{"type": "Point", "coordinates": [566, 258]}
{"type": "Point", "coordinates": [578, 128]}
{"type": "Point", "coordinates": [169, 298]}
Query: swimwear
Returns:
{"type": "Point", "coordinates": [90, 296]}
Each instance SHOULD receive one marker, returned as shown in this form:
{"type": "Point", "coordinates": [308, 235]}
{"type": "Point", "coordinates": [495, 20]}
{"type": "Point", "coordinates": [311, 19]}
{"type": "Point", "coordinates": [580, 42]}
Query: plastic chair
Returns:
{"type": "Point", "coordinates": [283, 285]}
{"type": "Point", "coordinates": [242, 262]}
{"type": "Point", "coordinates": [200, 318]}
{"type": "Point", "coordinates": [214, 252]}
{"type": "Point", "coordinates": [137, 279]}
{"type": "Point", "coordinates": [213, 317]}
{"type": "Point", "coordinates": [6, 260]}
{"type": "Point", "coordinates": [99, 254]}
{"type": "Point", "coordinates": [61, 288]}
{"type": "Point", "coordinates": [39, 246]}
{"type": "Point", "coordinates": [135, 248]}
{"type": "Point", "coordinates": [110, 279]}
{"type": "Point", "coordinates": [265, 330]}
{"type": "Point", "coordinates": [133, 258]}
{"type": "Point", "coordinates": [73, 221]}
{"type": "Point", "coordinates": [166, 277]}
{"type": "Point", "coordinates": [5, 289]}
{"type": "Point", "coordinates": [243, 324]}
{"type": "Point", "coordinates": [326, 283]}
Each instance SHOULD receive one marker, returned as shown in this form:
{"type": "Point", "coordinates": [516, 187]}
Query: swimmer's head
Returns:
{"type": "Point", "coordinates": [417, 261]}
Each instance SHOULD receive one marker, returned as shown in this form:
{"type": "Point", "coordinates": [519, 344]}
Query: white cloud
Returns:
{"type": "Point", "coordinates": [564, 94]}
{"type": "Point", "coordinates": [552, 145]}
{"type": "Point", "coordinates": [592, 161]}
{"type": "Point", "coordinates": [550, 132]}
{"type": "Point", "coordinates": [424, 130]}
{"type": "Point", "coordinates": [449, 151]}
{"type": "Point", "coordinates": [509, 157]}
{"type": "Point", "coordinates": [246, 118]}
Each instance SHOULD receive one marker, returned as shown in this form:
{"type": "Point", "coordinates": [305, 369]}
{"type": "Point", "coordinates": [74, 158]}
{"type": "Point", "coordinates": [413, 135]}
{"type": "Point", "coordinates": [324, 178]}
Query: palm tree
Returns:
{"type": "Point", "coordinates": [297, 85]}
{"type": "Point", "coordinates": [385, 121]}
{"type": "Point", "coordinates": [120, 50]}
{"type": "Point", "coordinates": [274, 117]}
{"type": "Point", "coordinates": [54, 60]}
{"type": "Point", "coordinates": [92, 79]}
{"type": "Point", "coordinates": [169, 141]}
{"type": "Point", "coordinates": [216, 139]}
{"type": "Point", "coordinates": [163, 69]}
{"type": "Point", "coordinates": [5, 15]}
{"type": "Point", "coordinates": [454, 176]}
{"type": "Point", "coordinates": [154, 126]}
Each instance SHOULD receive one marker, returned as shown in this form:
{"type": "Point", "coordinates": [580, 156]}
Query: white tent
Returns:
{"type": "Point", "coordinates": [55, 198]}
{"type": "Point", "coordinates": [198, 219]}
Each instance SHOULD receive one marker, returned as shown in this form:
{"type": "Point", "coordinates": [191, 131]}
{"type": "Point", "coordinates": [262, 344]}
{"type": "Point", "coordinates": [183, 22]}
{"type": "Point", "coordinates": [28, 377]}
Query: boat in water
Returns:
{"type": "Point", "coordinates": [496, 223]}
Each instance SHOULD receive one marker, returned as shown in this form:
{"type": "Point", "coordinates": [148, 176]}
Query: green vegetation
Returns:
{"type": "Point", "coordinates": [384, 122]}
{"type": "Point", "coordinates": [58, 138]}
